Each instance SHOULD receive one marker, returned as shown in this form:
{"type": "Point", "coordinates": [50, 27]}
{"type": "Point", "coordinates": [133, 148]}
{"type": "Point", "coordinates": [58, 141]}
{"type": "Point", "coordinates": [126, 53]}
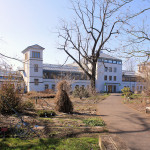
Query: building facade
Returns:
{"type": "Point", "coordinates": [109, 74]}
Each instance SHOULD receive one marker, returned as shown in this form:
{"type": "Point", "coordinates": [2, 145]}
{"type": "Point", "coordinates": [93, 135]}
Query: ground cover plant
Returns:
{"type": "Point", "coordinates": [94, 122]}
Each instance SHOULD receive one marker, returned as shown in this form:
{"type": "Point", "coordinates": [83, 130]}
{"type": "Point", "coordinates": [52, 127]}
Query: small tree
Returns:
{"type": "Point", "coordinates": [126, 91]}
{"type": "Point", "coordinates": [63, 103]}
{"type": "Point", "coordinates": [9, 99]}
{"type": "Point", "coordinates": [80, 92]}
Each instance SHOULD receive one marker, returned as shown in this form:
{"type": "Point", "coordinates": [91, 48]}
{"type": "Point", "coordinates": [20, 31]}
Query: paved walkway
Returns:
{"type": "Point", "coordinates": [129, 124]}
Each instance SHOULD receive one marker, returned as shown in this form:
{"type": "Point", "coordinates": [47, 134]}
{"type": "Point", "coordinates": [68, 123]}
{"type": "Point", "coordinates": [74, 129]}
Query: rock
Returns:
{"type": "Point", "coordinates": [148, 110]}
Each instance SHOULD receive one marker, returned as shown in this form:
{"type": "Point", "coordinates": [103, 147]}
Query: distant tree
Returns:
{"type": "Point", "coordinates": [96, 23]}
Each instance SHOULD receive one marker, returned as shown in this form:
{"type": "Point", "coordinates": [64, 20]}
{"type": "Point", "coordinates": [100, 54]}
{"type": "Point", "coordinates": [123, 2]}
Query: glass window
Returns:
{"type": "Point", "coordinates": [77, 86]}
{"type": "Point", "coordinates": [46, 86]}
{"type": "Point", "coordinates": [106, 68]}
{"type": "Point", "coordinates": [110, 78]}
{"type": "Point", "coordinates": [115, 69]}
{"type": "Point", "coordinates": [110, 69]}
{"type": "Point", "coordinates": [82, 86]}
{"type": "Point", "coordinates": [115, 78]}
{"type": "Point", "coordinates": [35, 67]}
{"type": "Point", "coordinates": [105, 77]}
{"type": "Point", "coordinates": [114, 61]}
{"type": "Point", "coordinates": [36, 81]}
{"type": "Point", "coordinates": [110, 61]}
{"type": "Point", "coordinates": [105, 60]}
{"type": "Point", "coordinates": [119, 62]}
{"type": "Point", "coordinates": [140, 88]}
{"type": "Point", "coordinates": [53, 87]}
{"type": "Point", "coordinates": [133, 88]}
{"type": "Point", "coordinates": [36, 54]}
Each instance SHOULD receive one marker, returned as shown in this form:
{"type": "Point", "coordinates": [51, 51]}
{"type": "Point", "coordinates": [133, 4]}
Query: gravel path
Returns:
{"type": "Point", "coordinates": [132, 126]}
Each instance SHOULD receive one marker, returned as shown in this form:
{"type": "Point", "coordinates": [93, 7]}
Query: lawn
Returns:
{"type": "Point", "coordinates": [84, 143]}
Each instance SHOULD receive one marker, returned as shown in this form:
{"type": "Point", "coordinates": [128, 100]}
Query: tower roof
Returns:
{"type": "Point", "coordinates": [36, 46]}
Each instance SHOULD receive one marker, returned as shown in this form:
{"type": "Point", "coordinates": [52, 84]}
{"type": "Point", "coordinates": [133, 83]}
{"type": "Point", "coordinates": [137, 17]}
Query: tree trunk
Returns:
{"type": "Point", "coordinates": [93, 83]}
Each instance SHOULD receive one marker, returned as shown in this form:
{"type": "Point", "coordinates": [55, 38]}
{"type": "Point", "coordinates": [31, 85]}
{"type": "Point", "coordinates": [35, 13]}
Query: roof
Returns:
{"type": "Point", "coordinates": [128, 73]}
{"type": "Point", "coordinates": [103, 55]}
{"type": "Point", "coordinates": [36, 46]}
{"type": "Point", "coordinates": [61, 68]}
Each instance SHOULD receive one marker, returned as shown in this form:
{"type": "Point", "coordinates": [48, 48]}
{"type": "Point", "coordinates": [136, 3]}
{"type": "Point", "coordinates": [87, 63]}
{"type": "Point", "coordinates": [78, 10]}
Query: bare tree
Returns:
{"type": "Point", "coordinates": [97, 22]}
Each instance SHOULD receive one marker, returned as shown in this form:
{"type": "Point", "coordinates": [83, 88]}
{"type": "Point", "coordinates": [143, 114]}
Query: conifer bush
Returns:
{"type": "Point", "coordinates": [63, 103]}
{"type": "Point", "coordinates": [9, 98]}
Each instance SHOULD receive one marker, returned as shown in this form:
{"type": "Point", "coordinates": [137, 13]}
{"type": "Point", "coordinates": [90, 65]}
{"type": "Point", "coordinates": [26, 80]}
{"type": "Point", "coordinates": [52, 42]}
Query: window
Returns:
{"type": "Point", "coordinates": [105, 77]}
{"type": "Point", "coordinates": [110, 78]}
{"type": "Point", "coordinates": [133, 88]}
{"type": "Point", "coordinates": [35, 54]}
{"type": "Point", "coordinates": [114, 61]}
{"type": "Point", "coordinates": [105, 60]}
{"type": "Point", "coordinates": [36, 81]}
{"type": "Point", "coordinates": [140, 88]}
{"type": "Point", "coordinates": [46, 86]}
{"type": "Point", "coordinates": [110, 69]}
{"type": "Point", "coordinates": [77, 86]}
{"type": "Point", "coordinates": [106, 68]}
{"type": "Point", "coordinates": [115, 78]}
{"type": "Point", "coordinates": [53, 87]}
{"type": "Point", "coordinates": [115, 69]}
{"type": "Point", "coordinates": [119, 62]}
{"type": "Point", "coordinates": [110, 61]}
{"type": "Point", "coordinates": [35, 67]}
{"type": "Point", "coordinates": [137, 88]}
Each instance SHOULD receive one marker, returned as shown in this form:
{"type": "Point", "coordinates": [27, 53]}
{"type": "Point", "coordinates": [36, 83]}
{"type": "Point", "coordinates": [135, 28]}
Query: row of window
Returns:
{"type": "Point", "coordinates": [110, 78]}
{"type": "Point", "coordinates": [110, 69]}
{"type": "Point", "coordinates": [138, 88]}
{"type": "Point", "coordinates": [52, 87]}
{"type": "Point", "coordinates": [34, 55]}
{"type": "Point", "coordinates": [110, 61]}
{"type": "Point", "coordinates": [64, 75]}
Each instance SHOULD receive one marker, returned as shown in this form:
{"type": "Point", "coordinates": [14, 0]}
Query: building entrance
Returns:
{"type": "Point", "coordinates": [110, 88]}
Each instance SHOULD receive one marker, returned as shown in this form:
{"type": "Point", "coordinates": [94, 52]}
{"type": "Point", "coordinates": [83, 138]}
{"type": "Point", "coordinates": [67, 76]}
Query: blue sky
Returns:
{"type": "Point", "coordinates": [28, 22]}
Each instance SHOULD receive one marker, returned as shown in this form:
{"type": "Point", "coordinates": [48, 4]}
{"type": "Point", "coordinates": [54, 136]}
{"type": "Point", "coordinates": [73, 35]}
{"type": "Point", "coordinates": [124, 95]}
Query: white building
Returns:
{"type": "Point", "coordinates": [39, 76]}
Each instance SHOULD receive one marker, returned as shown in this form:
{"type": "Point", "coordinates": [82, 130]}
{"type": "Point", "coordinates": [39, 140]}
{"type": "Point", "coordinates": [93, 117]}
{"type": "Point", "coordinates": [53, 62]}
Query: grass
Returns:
{"type": "Point", "coordinates": [84, 143]}
{"type": "Point", "coordinates": [94, 122]}
{"type": "Point", "coordinates": [46, 113]}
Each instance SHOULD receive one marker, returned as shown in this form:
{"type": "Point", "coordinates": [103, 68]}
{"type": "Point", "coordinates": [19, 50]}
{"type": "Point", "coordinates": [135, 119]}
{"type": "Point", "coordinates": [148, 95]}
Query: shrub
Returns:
{"type": "Point", "coordinates": [63, 103]}
{"type": "Point", "coordinates": [80, 92]}
{"type": "Point", "coordinates": [94, 122]}
{"type": "Point", "coordinates": [28, 105]}
{"type": "Point", "coordinates": [126, 91]}
{"type": "Point", "coordinates": [9, 99]}
{"type": "Point", "coordinates": [46, 113]}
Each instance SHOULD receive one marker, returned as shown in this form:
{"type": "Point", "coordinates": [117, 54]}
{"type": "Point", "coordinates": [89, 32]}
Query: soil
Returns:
{"type": "Point", "coordinates": [62, 125]}
{"type": "Point", "coordinates": [139, 104]}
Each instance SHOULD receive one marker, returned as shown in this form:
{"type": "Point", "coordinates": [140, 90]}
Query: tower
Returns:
{"type": "Point", "coordinates": [33, 68]}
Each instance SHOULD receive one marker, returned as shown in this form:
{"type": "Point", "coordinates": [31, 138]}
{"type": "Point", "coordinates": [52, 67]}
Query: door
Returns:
{"type": "Point", "coordinates": [114, 88]}
{"type": "Point", "coordinates": [110, 88]}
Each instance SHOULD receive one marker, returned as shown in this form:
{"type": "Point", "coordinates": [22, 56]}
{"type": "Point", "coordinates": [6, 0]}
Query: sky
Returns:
{"type": "Point", "coordinates": [27, 22]}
